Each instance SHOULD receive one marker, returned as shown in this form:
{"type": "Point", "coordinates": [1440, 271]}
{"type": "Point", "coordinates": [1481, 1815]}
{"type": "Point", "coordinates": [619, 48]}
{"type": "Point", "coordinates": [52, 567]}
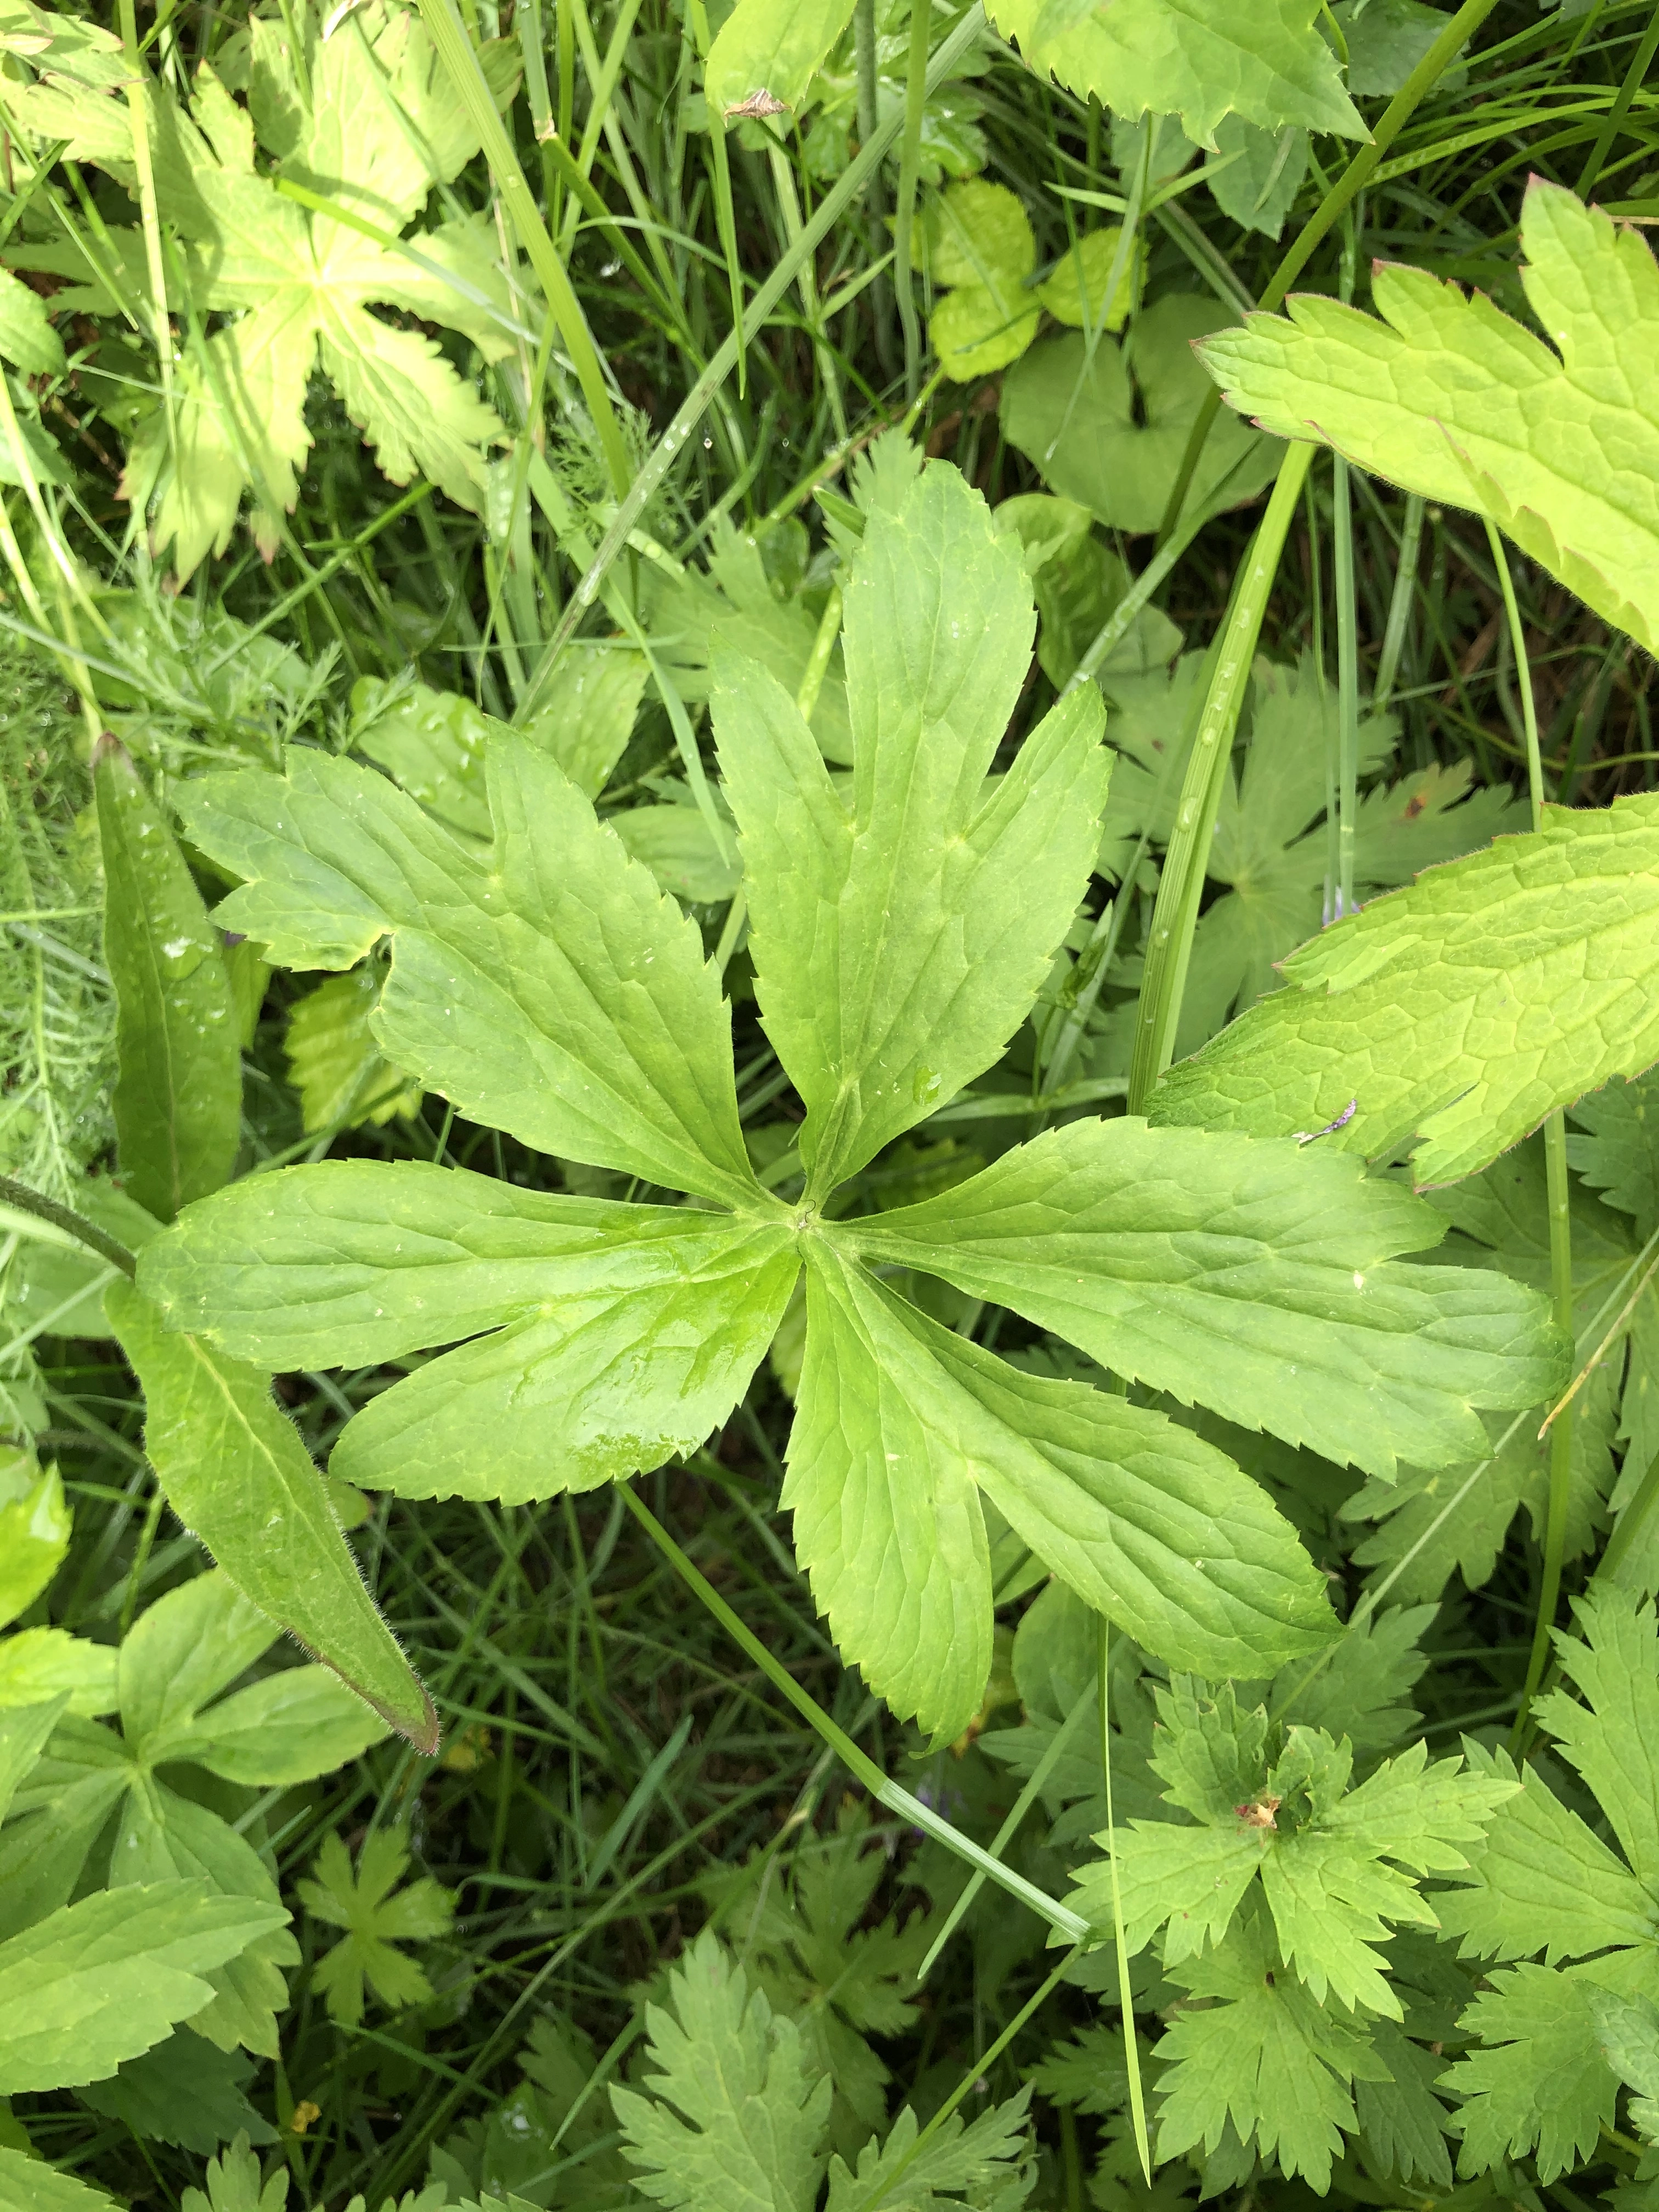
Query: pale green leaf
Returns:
{"type": "Point", "coordinates": [772, 45]}
{"type": "Point", "coordinates": [333, 1059]}
{"type": "Point", "coordinates": [1613, 1738]}
{"type": "Point", "coordinates": [1262, 174]}
{"type": "Point", "coordinates": [178, 1100]}
{"type": "Point", "coordinates": [23, 1732]}
{"type": "Point", "coordinates": [1198, 59]}
{"type": "Point", "coordinates": [238, 1475]}
{"type": "Point", "coordinates": [586, 709]}
{"type": "Point", "coordinates": [161, 1835]}
{"type": "Point", "coordinates": [549, 989]}
{"type": "Point", "coordinates": [1447, 397]}
{"type": "Point", "coordinates": [26, 2184]}
{"type": "Point", "coordinates": [733, 2116]}
{"type": "Point", "coordinates": [1193, 1878]}
{"type": "Point", "coordinates": [431, 743]}
{"type": "Point", "coordinates": [978, 241]}
{"type": "Point", "coordinates": [1536, 2079]}
{"type": "Point", "coordinates": [1266, 2057]}
{"type": "Point", "coordinates": [1256, 1279]}
{"type": "Point", "coordinates": [1074, 292]}
{"type": "Point", "coordinates": [631, 1331]}
{"type": "Point", "coordinates": [900, 1423]}
{"type": "Point", "coordinates": [419, 415]}
{"type": "Point", "coordinates": [974, 2165]}
{"type": "Point", "coordinates": [1618, 1153]}
{"type": "Point", "coordinates": [676, 844]}
{"type": "Point", "coordinates": [26, 336]}
{"type": "Point", "coordinates": [1628, 2032]}
{"type": "Point", "coordinates": [900, 938]}
{"type": "Point", "coordinates": [38, 1664]}
{"type": "Point", "coordinates": [101, 1980]}
{"type": "Point", "coordinates": [1108, 426]}
{"type": "Point", "coordinates": [34, 1534]}
{"type": "Point", "coordinates": [1458, 1012]}
{"type": "Point", "coordinates": [233, 2178]}
{"type": "Point", "coordinates": [376, 1915]}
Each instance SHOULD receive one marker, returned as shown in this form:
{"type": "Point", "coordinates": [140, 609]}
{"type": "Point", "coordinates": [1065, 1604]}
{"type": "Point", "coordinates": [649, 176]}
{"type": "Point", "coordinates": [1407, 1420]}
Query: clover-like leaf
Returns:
{"type": "Point", "coordinates": [1108, 426]}
{"type": "Point", "coordinates": [1448, 396]}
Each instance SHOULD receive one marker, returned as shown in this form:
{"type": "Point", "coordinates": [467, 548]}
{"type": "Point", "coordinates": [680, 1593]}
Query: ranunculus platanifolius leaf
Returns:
{"type": "Point", "coordinates": [903, 923]}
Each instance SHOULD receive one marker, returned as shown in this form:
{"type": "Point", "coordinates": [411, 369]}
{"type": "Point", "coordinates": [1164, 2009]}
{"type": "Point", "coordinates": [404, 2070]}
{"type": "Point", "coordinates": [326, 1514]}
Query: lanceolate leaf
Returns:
{"type": "Point", "coordinates": [179, 1096]}
{"type": "Point", "coordinates": [236, 1472]}
{"type": "Point", "coordinates": [101, 1980]}
{"type": "Point", "coordinates": [901, 1424]}
{"type": "Point", "coordinates": [1258, 1279]}
{"type": "Point", "coordinates": [899, 940]}
{"type": "Point", "coordinates": [1198, 59]}
{"type": "Point", "coordinates": [550, 990]}
{"type": "Point", "coordinates": [1449, 398]}
{"type": "Point", "coordinates": [1458, 1012]}
{"type": "Point", "coordinates": [630, 1331]}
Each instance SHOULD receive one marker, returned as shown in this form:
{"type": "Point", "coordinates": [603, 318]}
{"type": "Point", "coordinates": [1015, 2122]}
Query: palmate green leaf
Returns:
{"type": "Point", "coordinates": [974, 2165]}
{"type": "Point", "coordinates": [1457, 1012]}
{"type": "Point", "coordinates": [899, 940]}
{"type": "Point", "coordinates": [734, 2118]}
{"type": "Point", "coordinates": [1264, 2056]}
{"type": "Point", "coordinates": [1613, 1738]}
{"type": "Point", "coordinates": [1618, 1153]}
{"type": "Point", "coordinates": [1628, 2032]}
{"type": "Point", "coordinates": [980, 244]}
{"type": "Point", "coordinates": [360, 126]}
{"type": "Point", "coordinates": [627, 1333]}
{"type": "Point", "coordinates": [1198, 59]}
{"type": "Point", "coordinates": [900, 1424]}
{"type": "Point", "coordinates": [1539, 2081]}
{"type": "Point", "coordinates": [1108, 427]}
{"type": "Point", "coordinates": [1403, 2124]}
{"type": "Point", "coordinates": [178, 1097]}
{"type": "Point", "coordinates": [1449, 397]}
{"type": "Point", "coordinates": [1259, 1280]}
{"type": "Point", "coordinates": [103, 1979]}
{"type": "Point", "coordinates": [238, 1475]}
{"type": "Point", "coordinates": [548, 989]}
{"type": "Point", "coordinates": [1542, 1881]}
{"type": "Point", "coordinates": [377, 1916]}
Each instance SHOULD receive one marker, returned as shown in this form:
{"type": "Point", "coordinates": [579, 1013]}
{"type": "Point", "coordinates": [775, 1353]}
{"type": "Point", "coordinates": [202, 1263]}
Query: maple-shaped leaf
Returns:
{"type": "Point", "coordinates": [377, 1916]}
{"type": "Point", "coordinates": [1198, 59]}
{"type": "Point", "coordinates": [904, 920]}
{"type": "Point", "coordinates": [1336, 1864]}
{"type": "Point", "coordinates": [364, 119]}
{"type": "Point", "coordinates": [1263, 2054]}
{"type": "Point", "coordinates": [1618, 1153]}
{"type": "Point", "coordinates": [1447, 397]}
{"type": "Point", "coordinates": [735, 2117]}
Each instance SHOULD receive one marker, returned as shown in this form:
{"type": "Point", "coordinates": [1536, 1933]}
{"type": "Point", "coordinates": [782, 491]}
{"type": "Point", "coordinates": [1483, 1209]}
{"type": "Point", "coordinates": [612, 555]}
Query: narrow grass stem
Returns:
{"type": "Point", "coordinates": [905, 279]}
{"type": "Point", "coordinates": [1347, 687]}
{"type": "Point", "coordinates": [13, 1193]}
{"type": "Point", "coordinates": [1174, 916]}
{"type": "Point", "coordinates": [1125, 1993]}
{"type": "Point", "coordinates": [881, 1787]}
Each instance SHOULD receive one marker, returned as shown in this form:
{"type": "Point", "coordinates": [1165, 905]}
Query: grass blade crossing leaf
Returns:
{"type": "Point", "coordinates": [552, 991]}
{"type": "Point", "coordinates": [236, 1472]}
{"type": "Point", "coordinates": [1257, 1280]}
{"type": "Point", "coordinates": [1458, 1012]}
{"type": "Point", "coordinates": [773, 46]}
{"type": "Point", "coordinates": [1449, 398]}
{"type": "Point", "coordinates": [179, 1096]}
